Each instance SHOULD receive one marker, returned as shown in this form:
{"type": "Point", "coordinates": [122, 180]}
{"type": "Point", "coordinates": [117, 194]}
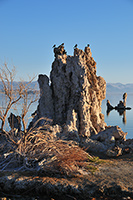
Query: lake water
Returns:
{"type": "Point", "coordinates": [17, 110]}
{"type": "Point", "coordinates": [114, 118]}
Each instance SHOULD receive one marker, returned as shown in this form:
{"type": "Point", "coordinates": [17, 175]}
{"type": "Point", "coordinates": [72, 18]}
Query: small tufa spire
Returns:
{"type": "Point", "coordinates": [54, 46]}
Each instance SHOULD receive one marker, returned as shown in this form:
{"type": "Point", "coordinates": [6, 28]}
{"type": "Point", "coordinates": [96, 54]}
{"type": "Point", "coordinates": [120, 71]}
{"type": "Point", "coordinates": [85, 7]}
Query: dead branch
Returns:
{"type": "Point", "coordinates": [13, 95]}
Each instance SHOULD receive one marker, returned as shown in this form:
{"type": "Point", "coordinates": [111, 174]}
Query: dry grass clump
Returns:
{"type": "Point", "coordinates": [55, 156]}
{"type": "Point", "coordinates": [40, 150]}
{"type": "Point", "coordinates": [69, 159]}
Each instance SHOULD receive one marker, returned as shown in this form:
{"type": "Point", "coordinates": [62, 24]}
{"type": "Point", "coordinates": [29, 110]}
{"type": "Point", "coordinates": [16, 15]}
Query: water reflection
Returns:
{"type": "Point", "coordinates": [114, 118]}
{"type": "Point", "coordinates": [121, 108]}
{"type": "Point", "coordinates": [121, 111]}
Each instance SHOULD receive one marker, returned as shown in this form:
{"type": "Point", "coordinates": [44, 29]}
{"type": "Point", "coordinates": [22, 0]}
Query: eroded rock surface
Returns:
{"type": "Point", "coordinates": [14, 122]}
{"type": "Point", "coordinates": [74, 95]}
{"type": "Point", "coordinates": [111, 134]}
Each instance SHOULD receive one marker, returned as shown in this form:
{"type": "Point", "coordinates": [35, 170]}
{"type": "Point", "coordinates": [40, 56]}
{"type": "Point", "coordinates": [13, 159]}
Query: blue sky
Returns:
{"type": "Point", "coordinates": [29, 28]}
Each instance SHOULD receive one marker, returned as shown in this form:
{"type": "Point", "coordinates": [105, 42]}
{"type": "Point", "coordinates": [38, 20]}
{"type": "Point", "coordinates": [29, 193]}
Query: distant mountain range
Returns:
{"type": "Point", "coordinates": [33, 85]}
{"type": "Point", "coordinates": [110, 87]}
{"type": "Point", "coordinates": [119, 88]}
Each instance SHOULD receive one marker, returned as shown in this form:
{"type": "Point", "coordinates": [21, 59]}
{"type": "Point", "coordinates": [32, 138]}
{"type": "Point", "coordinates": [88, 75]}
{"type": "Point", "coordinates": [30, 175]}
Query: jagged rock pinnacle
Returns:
{"type": "Point", "coordinates": [73, 100]}
{"type": "Point", "coordinates": [59, 50]}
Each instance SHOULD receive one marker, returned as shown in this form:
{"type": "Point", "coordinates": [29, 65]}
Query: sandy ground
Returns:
{"type": "Point", "coordinates": [112, 180]}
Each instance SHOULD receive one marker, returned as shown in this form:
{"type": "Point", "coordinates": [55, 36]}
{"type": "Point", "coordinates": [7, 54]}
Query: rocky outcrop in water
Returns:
{"type": "Point", "coordinates": [121, 105]}
{"type": "Point", "coordinates": [72, 97]}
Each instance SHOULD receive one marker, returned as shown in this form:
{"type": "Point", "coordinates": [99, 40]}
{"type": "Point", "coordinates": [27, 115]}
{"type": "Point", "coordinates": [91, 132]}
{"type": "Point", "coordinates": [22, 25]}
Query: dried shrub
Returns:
{"type": "Point", "coordinates": [13, 93]}
{"type": "Point", "coordinates": [54, 156]}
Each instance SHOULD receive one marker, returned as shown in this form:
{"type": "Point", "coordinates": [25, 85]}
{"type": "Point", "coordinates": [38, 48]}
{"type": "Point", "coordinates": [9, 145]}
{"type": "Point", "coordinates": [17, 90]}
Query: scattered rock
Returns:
{"type": "Point", "coordinates": [93, 146]}
{"type": "Point", "coordinates": [126, 150]}
{"type": "Point", "coordinates": [114, 152]}
{"type": "Point", "coordinates": [110, 134]}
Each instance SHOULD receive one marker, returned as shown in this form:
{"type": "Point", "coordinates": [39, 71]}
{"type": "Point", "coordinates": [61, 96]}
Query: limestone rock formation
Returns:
{"type": "Point", "coordinates": [72, 97]}
{"type": "Point", "coordinates": [14, 122]}
{"type": "Point", "coordinates": [109, 106]}
{"type": "Point", "coordinates": [110, 142]}
{"type": "Point", "coordinates": [110, 134]}
{"type": "Point", "coordinates": [121, 105]}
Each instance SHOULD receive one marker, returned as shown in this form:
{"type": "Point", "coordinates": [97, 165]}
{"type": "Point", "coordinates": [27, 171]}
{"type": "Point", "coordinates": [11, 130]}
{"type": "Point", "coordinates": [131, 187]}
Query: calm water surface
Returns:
{"type": "Point", "coordinates": [114, 118]}
{"type": "Point", "coordinates": [17, 110]}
